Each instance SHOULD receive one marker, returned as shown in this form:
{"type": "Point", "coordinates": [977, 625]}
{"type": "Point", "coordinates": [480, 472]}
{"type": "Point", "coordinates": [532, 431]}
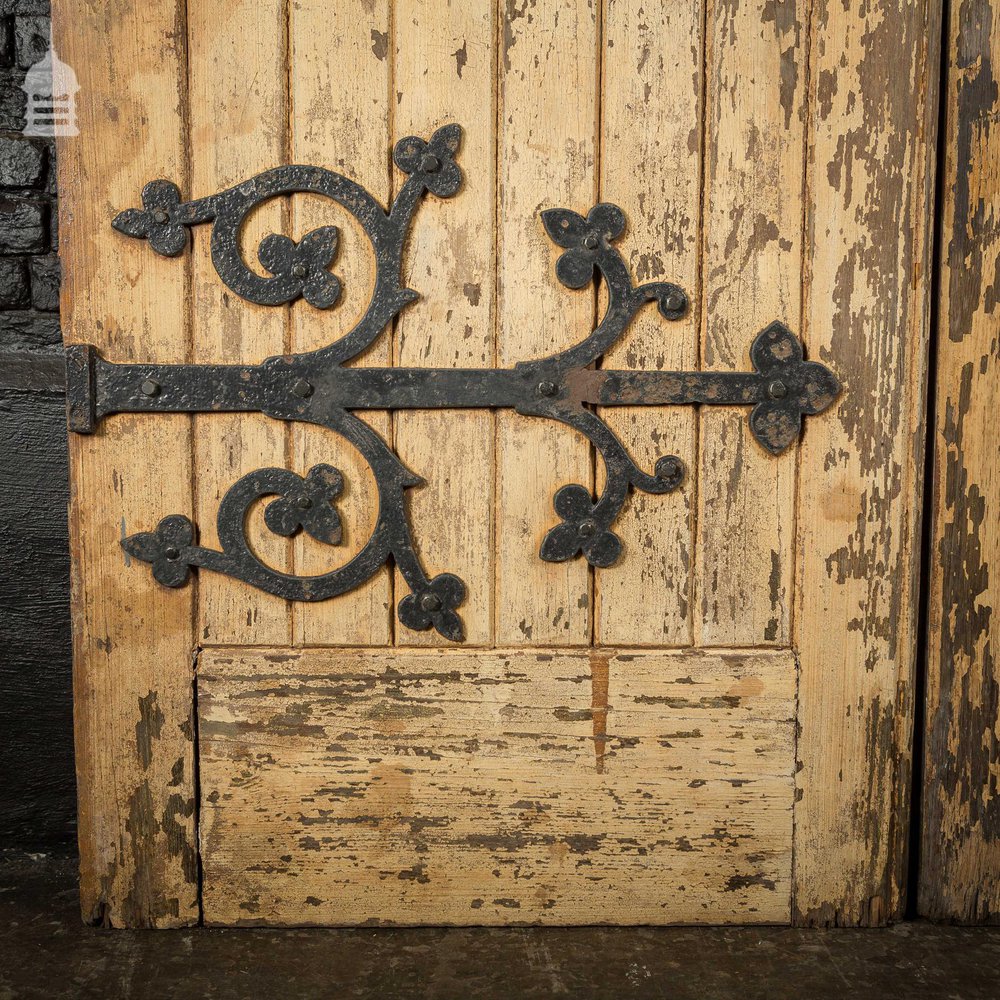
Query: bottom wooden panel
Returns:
{"type": "Point", "coordinates": [493, 787]}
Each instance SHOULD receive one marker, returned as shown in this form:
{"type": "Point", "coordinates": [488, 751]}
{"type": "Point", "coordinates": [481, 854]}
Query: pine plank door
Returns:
{"type": "Point", "coordinates": [715, 728]}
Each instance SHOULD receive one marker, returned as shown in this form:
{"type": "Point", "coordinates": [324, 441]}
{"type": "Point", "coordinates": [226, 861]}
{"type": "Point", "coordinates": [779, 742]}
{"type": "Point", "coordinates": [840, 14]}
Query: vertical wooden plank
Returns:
{"type": "Point", "coordinates": [339, 77]}
{"type": "Point", "coordinates": [238, 128]}
{"type": "Point", "coordinates": [872, 133]}
{"type": "Point", "coordinates": [445, 71]}
{"type": "Point", "coordinates": [132, 638]}
{"type": "Point", "coordinates": [752, 275]}
{"type": "Point", "coordinates": [651, 98]}
{"type": "Point", "coordinates": [547, 133]}
{"type": "Point", "coordinates": [960, 837]}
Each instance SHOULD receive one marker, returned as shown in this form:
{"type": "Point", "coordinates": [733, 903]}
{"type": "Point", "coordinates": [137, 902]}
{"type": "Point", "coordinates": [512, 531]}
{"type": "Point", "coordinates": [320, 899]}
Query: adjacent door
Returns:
{"type": "Point", "coordinates": [715, 729]}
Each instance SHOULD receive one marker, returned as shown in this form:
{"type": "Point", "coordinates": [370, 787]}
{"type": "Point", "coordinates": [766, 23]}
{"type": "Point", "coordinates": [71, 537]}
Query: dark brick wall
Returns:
{"type": "Point", "coordinates": [37, 797]}
{"type": "Point", "coordinates": [29, 239]}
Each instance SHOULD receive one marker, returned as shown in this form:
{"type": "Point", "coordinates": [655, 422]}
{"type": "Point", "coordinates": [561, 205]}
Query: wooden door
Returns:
{"type": "Point", "coordinates": [717, 728]}
{"type": "Point", "coordinates": [960, 828]}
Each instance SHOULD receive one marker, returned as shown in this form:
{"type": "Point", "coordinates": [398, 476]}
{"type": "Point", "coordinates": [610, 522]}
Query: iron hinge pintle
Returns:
{"type": "Point", "coordinates": [318, 387]}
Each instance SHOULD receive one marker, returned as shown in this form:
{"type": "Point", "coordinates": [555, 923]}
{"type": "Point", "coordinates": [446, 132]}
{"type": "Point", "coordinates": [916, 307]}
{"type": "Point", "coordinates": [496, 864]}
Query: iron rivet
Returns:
{"type": "Point", "coordinates": [777, 390]}
{"type": "Point", "coordinates": [150, 387]}
{"type": "Point", "coordinates": [172, 553]}
{"type": "Point", "coordinates": [674, 301]}
{"type": "Point", "coordinates": [303, 503]}
{"type": "Point", "coordinates": [160, 216]}
{"type": "Point", "coordinates": [299, 270]}
{"type": "Point", "coordinates": [587, 528]}
{"type": "Point", "coordinates": [546, 388]}
{"type": "Point", "coordinates": [668, 469]}
{"type": "Point", "coordinates": [430, 602]}
{"type": "Point", "coordinates": [430, 164]}
{"type": "Point", "coordinates": [302, 388]}
{"type": "Point", "coordinates": [590, 242]}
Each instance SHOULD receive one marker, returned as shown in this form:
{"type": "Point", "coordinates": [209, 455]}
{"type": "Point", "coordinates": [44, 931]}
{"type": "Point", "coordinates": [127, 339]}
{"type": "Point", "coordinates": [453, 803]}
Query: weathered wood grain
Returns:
{"type": "Point", "coordinates": [574, 785]}
{"type": "Point", "coordinates": [238, 121]}
{"type": "Point", "coordinates": [339, 77]}
{"type": "Point", "coordinates": [752, 267]}
{"type": "Point", "coordinates": [651, 82]}
{"type": "Point", "coordinates": [960, 836]}
{"type": "Point", "coordinates": [871, 133]}
{"type": "Point", "coordinates": [366, 787]}
{"type": "Point", "coordinates": [445, 71]}
{"type": "Point", "coordinates": [132, 639]}
{"type": "Point", "coordinates": [547, 141]}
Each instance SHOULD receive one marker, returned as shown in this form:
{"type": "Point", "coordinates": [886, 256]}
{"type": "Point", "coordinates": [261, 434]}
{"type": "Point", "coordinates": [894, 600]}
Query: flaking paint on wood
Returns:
{"type": "Point", "coordinates": [131, 644]}
{"type": "Point", "coordinates": [367, 787]}
{"type": "Point", "coordinates": [960, 841]}
{"type": "Point", "coordinates": [565, 94]}
{"type": "Point", "coordinates": [546, 153]}
{"type": "Point", "coordinates": [451, 259]}
{"type": "Point", "coordinates": [650, 152]}
{"type": "Point", "coordinates": [238, 115]}
{"type": "Point", "coordinates": [339, 76]}
{"type": "Point", "coordinates": [752, 274]}
{"type": "Point", "coordinates": [871, 135]}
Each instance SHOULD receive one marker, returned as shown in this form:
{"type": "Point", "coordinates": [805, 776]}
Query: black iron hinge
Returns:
{"type": "Point", "coordinates": [317, 387]}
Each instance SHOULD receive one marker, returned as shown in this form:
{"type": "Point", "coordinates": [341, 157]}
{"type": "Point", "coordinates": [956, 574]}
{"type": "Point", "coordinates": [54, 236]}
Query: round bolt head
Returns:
{"type": "Point", "coordinates": [150, 387]}
{"type": "Point", "coordinates": [303, 503]}
{"type": "Point", "coordinates": [587, 528]}
{"type": "Point", "coordinates": [172, 553]}
{"type": "Point", "coordinates": [302, 389]}
{"type": "Point", "coordinates": [429, 163]}
{"type": "Point", "coordinates": [430, 602]}
{"type": "Point", "coordinates": [674, 301]}
{"type": "Point", "coordinates": [777, 390]}
{"type": "Point", "coordinates": [590, 242]}
{"type": "Point", "coordinates": [161, 216]}
{"type": "Point", "coordinates": [669, 468]}
{"type": "Point", "coordinates": [546, 388]}
{"type": "Point", "coordinates": [299, 270]}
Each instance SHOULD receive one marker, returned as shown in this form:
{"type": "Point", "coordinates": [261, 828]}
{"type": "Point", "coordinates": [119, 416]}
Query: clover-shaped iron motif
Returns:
{"type": "Point", "coordinates": [434, 606]}
{"type": "Point", "coordinates": [582, 530]}
{"type": "Point", "coordinates": [155, 221]}
{"type": "Point", "coordinates": [795, 387]}
{"type": "Point", "coordinates": [320, 388]}
{"type": "Point", "coordinates": [306, 262]}
{"type": "Point", "coordinates": [310, 508]}
{"type": "Point", "coordinates": [167, 549]}
{"type": "Point", "coordinates": [582, 239]}
{"type": "Point", "coordinates": [433, 160]}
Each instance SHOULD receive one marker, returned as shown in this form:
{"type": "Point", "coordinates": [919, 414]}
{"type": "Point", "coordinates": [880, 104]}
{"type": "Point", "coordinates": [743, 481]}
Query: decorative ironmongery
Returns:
{"type": "Point", "coordinates": [317, 387]}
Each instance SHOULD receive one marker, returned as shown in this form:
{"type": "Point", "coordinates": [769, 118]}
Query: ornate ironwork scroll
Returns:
{"type": "Point", "coordinates": [318, 387]}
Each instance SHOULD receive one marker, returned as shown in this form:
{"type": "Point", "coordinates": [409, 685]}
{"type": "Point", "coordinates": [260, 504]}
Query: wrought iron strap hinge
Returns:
{"type": "Point", "coordinates": [318, 387]}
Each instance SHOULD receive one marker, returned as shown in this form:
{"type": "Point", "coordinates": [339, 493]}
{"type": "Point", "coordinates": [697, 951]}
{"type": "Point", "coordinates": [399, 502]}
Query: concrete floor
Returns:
{"type": "Point", "coordinates": [45, 952]}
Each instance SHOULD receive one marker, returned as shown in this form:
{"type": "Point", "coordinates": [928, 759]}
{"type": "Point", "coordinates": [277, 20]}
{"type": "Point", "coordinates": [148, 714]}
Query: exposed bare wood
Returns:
{"type": "Point", "coordinates": [547, 139]}
{"type": "Point", "coordinates": [960, 842]}
{"type": "Point", "coordinates": [445, 71]}
{"type": "Point", "coordinates": [238, 122]}
{"type": "Point", "coordinates": [570, 775]}
{"type": "Point", "coordinates": [752, 269]}
{"type": "Point", "coordinates": [650, 151]}
{"type": "Point", "coordinates": [132, 638]}
{"type": "Point", "coordinates": [496, 787]}
{"type": "Point", "coordinates": [872, 132]}
{"type": "Point", "coordinates": [340, 69]}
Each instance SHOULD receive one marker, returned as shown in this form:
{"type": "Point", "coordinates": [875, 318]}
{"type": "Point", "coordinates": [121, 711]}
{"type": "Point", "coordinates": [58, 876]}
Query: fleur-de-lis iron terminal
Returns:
{"type": "Point", "coordinates": [319, 387]}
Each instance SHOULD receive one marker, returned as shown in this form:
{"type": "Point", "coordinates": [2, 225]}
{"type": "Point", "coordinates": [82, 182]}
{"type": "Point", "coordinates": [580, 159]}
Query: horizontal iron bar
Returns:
{"type": "Point", "coordinates": [289, 389]}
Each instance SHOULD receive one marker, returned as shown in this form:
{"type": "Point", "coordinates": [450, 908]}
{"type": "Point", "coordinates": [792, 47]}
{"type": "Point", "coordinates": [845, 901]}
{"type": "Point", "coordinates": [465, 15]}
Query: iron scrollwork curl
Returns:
{"type": "Point", "coordinates": [319, 387]}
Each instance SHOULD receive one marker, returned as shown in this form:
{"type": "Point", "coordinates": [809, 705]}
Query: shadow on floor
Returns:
{"type": "Point", "coordinates": [46, 952]}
